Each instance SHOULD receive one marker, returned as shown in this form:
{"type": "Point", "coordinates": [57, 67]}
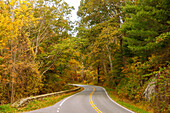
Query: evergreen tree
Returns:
{"type": "Point", "coordinates": [147, 26]}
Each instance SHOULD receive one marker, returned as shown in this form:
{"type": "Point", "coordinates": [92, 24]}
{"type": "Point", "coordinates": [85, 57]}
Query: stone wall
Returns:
{"type": "Point", "coordinates": [23, 102]}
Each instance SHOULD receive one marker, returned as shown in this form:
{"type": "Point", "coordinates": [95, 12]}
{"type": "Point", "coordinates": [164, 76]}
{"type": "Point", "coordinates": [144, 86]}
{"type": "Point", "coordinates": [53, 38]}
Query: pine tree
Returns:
{"type": "Point", "coordinates": [147, 26]}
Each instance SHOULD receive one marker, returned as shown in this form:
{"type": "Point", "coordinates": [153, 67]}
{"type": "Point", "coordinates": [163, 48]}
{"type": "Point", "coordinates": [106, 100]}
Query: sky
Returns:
{"type": "Point", "coordinates": [74, 18]}
{"type": "Point", "coordinates": [76, 4]}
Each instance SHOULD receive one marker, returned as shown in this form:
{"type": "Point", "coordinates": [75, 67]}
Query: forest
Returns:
{"type": "Point", "coordinates": [120, 44]}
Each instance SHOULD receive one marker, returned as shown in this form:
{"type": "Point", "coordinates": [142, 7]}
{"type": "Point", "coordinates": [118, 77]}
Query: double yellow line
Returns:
{"type": "Point", "coordinates": [91, 101]}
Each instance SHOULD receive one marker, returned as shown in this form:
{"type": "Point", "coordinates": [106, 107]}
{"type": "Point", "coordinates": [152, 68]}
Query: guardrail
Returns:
{"type": "Point", "coordinates": [23, 102]}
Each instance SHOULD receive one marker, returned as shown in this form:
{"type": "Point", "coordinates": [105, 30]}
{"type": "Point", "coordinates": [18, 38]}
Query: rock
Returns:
{"type": "Point", "coordinates": [150, 90]}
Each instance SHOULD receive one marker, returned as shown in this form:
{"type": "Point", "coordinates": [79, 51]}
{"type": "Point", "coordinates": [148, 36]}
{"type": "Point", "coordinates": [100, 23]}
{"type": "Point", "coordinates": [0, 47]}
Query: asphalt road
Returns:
{"type": "Point", "coordinates": [92, 99]}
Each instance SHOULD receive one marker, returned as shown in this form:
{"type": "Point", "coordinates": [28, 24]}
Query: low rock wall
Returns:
{"type": "Point", "coordinates": [23, 102]}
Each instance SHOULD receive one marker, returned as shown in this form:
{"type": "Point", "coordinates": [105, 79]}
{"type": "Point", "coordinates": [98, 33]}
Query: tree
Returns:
{"type": "Point", "coordinates": [15, 50]}
{"type": "Point", "coordinates": [146, 34]}
{"type": "Point", "coordinates": [102, 20]}
{"type": "Point", "coordinates": [29, 33]}
{"type": "Point", "coordinates": [147, 22]}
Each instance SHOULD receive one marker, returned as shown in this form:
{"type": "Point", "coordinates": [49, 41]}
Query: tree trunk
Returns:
{"type": "Point", "coordinates": [122, 53]}
{"type": "Point", "coordinates": [98, 72]}
{"type": "Point", "coordinates": [105, 68]}
{"type": "Point", "coordinates": [82, 72]}
{"type": "Point", "coordinates": [110, 59]}
{"type": "Point", "coordinates": [12, 72]}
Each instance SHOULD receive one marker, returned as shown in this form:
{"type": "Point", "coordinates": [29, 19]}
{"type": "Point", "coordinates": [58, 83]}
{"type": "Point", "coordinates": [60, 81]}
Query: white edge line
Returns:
{"type": "Point", "coordinates": [65, 100]}
{"type": "Point", "coordinates": [116, 102]}
{"type": "Point", "coordinates": [68, 98]}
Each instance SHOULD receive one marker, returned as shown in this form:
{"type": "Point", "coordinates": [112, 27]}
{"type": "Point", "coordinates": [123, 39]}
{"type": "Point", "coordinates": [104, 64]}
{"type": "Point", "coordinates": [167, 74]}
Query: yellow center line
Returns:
{"type": "Point", "coordinates": [91, 101]}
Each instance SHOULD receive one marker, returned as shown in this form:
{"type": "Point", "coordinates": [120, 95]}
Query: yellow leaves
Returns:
{"type": "Point", "coordinates": [19, 1]}
{"type": "Point", "coordinates": [77, 53]}
{"type": "Point", "coordinates": [12, 20]}
{"type": "Point", "coordinates": [74, 63]}
{"type": "Point", "coordinates": [85, 81]}
{"type": "Point", "coordinates": [12, 3]}
{"type": "Point", "coordinates": [20, 16]}
{"type": "Point", "coordinates": [24, 7]}
{"type": "Point", "coordinates": [25, 2]}
{"type": "Point", "coordinates": [110, 33]}
{"type": "Point", "coordinates": [1, 2]}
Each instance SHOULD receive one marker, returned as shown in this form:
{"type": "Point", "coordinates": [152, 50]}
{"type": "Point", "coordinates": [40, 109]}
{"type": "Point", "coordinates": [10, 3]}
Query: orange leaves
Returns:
{"type": "Point", "coordinates": [73, 61]}
{"type": "Point", "coordinates": [77, 53]}
{"type": "Point", "coordinates": [3, 66]}
{"type": "Point", "coordinates": [5, 80]}
{"type": "Point", "coordinates": [10, 61]}
{"type": "Point", "coordinates": [102, 78]}
{"type": "Point", "coordinates": [41, 49]}
{"type": "Point", "coordinates": [52, 68]}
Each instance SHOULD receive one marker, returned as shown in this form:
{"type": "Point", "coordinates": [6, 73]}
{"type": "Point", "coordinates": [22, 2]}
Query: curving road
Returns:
{"type": "Point", "coordinates": [92, 99]}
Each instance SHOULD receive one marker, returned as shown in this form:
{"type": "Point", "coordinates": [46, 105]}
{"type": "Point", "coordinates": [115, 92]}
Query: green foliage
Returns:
{"type": "Point", "coordinates": [7, 109]}
{"type": "Point", "coordinates": [161, 102]}
{"type": "Point", "coordinates": [146, 35]}
{"type": "Point", "coordinates": [122, 45]}
{"type": "Point", "coordinates": [98, 11]}
{"type": "Point", "coordinates": [119, 100]}
{"type": "Point", "coordinates": [147, 21]}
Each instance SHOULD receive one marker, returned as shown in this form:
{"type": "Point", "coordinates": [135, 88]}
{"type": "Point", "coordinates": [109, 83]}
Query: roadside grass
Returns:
{"type": "Point", "coordinates": [36, 104]}
{"type": "Point", "coordinates": [7, 109]}
{"type": "Point", "coordinates": [138, 108]}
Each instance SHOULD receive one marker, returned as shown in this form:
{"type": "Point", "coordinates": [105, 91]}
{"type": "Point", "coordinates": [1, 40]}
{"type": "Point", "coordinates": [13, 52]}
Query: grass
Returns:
{"type": "Point", "coordinates": [48, 101]}
{"type": "Point", "coordinates": [7, 109]}
{"type": "Point", "coordinates": [138, 108]}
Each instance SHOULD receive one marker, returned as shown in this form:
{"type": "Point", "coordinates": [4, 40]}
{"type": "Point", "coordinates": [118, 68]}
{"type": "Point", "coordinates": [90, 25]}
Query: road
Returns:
{"type": "Point", "coordinates": [92, 99]}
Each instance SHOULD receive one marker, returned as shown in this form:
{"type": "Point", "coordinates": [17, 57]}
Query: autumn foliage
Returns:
{"type": "Point", "coordinates": [30, 36]}
{"type": "Point", "coordinates": [122, 44]}
{"type": "Point", "coordinates": [126, 45]}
